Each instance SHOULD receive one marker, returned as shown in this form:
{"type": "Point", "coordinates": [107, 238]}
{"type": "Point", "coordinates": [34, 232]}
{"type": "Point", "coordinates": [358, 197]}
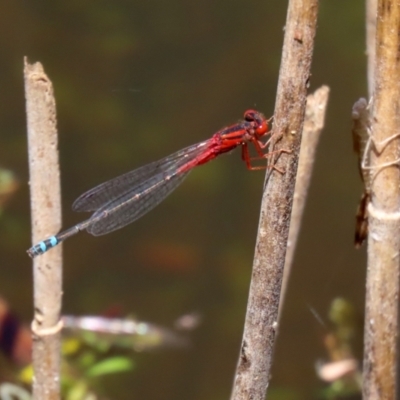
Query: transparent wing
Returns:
{"type": "Point", "coordinates": [133, 204]}
{"type": "Point", "coordinates": [112, 190]}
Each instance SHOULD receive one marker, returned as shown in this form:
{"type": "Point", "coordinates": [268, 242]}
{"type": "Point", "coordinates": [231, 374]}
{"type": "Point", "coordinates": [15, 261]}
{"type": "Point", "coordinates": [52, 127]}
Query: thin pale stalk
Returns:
{"type": "Point", "coordinates": [382, 296]}
{"type": "Point", "coordinates": [253, 370]}
{"type": "Point", "coordinates": [313, 125]}
{"type": "Point", "coordinates": [46, 219]}
{"type": "Point", "coordinates": [371, 7]}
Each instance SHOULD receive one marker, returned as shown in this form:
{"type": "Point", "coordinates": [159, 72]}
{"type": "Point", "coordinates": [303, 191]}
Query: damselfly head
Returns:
{"type": "Point", "coordinates": [258, 122]}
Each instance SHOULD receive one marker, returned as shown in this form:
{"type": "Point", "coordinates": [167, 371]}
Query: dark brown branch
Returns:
{"type": "Point", "coordinates": [252, 375]}
{"type": "Point", "coordinates": [46, 220]}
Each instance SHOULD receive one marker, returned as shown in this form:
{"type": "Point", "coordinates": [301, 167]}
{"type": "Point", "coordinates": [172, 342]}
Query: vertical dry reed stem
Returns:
{"type": "Point", "coordinates": [317, 103]}
{"type": "Point", "coordinates": [46, 220]}
{"type": "Point", "coordinates": [381, 320]}
{"type": "Point", "coordinates": [371, 7]}
{"type": "Point", "coordinates": [252, 374]}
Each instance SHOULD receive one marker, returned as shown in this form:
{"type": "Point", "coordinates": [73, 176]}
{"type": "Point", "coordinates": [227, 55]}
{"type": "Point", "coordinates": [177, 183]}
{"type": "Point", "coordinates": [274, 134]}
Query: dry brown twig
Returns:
{"type": "Point", "coordinates": [313, 124]}
{"type": "Point", "coordinates": [376, 136]}
{"type": "Point", "coordinates": [371, 7]}
{"type": "Point", "coordinates": [46, 219]}
{"type": "Point", "coordinates": [381, 323]}
{"type": "Point", "coordinates": [381, 319]}
{"type": "Point", "coordinates": [252, 375]}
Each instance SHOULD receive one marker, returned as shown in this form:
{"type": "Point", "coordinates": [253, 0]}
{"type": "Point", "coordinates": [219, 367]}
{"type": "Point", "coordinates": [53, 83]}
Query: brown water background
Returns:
{"type": "Point", "coordinates": [135, 81]}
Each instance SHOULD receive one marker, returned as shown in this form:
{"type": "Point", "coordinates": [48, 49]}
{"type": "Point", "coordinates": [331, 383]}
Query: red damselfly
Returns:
{"type": "Point", "coordinates": [124, 199]}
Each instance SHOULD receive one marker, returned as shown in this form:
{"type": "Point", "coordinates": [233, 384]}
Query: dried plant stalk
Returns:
{"type": "Point", "coordinates": [46, 219]}
{"type": "Point", "coordinates": [371, 8]}
{"type": "Point", "coordinates": [252, 375]}
{"type": "Point", "coordinates": [381, 319]}
{"type": "Point", "coordinates": [313, 125]}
